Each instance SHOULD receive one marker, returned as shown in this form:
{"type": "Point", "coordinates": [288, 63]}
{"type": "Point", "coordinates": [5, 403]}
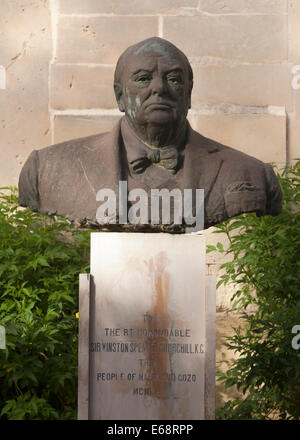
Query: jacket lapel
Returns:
{"type": "Point", "coordinates": [104, 162]}
{"type": "Point", "coordinates": [101, 159]}
{"type": "Point", "coordinates": [101, 162]}
{"type": "Point", "coordinates": [201, 163]}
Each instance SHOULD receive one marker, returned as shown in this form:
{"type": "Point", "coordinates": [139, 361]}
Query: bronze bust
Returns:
{"type": "Point", "coordinates": [151, 147]}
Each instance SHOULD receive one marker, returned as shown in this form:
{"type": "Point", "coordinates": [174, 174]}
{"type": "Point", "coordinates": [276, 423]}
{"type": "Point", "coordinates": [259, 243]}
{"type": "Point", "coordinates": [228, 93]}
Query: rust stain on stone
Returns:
{"type": "Point", "coordinates": [157, 368]}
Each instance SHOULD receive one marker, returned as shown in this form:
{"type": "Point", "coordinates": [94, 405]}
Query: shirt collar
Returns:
{"type": "Point", "coordinates": [136, 148]}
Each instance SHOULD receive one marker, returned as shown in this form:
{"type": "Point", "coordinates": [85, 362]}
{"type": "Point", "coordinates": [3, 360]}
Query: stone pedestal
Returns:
{"type": "Point", "coordinates": [146, 329]}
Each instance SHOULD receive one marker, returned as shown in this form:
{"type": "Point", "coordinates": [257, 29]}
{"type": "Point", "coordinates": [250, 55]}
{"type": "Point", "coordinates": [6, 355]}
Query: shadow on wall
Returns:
{"type": "Point", "coordinates": [225, 358]}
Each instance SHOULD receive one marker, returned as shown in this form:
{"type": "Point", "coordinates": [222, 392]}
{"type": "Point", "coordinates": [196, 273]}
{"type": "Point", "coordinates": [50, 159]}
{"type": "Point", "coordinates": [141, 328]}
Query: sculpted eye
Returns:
{"type": "Point", "coordinates": [143, 79]}
{"type": "Point", "coordinates": [174, 79]}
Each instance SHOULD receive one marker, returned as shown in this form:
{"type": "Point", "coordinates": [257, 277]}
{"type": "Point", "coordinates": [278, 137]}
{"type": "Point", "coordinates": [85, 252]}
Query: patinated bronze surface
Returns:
{"type": "Point", "coordinates": [152, 147]}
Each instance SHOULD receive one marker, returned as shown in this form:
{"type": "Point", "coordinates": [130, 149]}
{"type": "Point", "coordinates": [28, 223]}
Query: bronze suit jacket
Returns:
{"type": "Point", "coordinates": [63, 179]}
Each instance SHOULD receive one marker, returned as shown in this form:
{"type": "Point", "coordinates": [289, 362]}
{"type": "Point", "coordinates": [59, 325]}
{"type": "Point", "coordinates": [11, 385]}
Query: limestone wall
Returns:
{"type": "Point", "coordinates": [57, 60]}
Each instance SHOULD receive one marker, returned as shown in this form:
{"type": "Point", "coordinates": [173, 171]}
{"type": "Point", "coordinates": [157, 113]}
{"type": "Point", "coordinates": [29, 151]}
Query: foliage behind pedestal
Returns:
{"type": "Point", "coordinates": [266, 272]}
{"type": "Point", "coordinates": [40, 259]}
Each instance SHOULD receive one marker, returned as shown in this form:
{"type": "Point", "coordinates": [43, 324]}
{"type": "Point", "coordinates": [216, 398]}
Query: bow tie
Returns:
{"type": "Point", "coordinates": [166, 157]}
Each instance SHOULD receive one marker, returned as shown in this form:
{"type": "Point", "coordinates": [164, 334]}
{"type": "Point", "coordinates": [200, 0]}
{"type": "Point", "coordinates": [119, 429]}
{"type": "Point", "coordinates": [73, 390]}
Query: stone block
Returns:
{"type": "Point", "coordinates": [82, 87]}
{"type": "Point", "coordinates": [100, 39]}
{"type": "Point", "coordinates": [294, 31]}
{"type": "Point", "coordinates": [225, 323]}
{"type": "Point", "coordinates": [134, 7]}
{"type": "Point", "coordinates": [245, 38]}
{"type": "Point", "coordinates": [25, 48]}
{"type": "Point", "coordinates": [294, 139]}
{"type": "Point", "coordinates": [216, 257]}
{"type": "Point", "coordinates": [254, 85]}
{"type": "Point", "coordinates": [150, 284]}
{"type": "Point", "coordinates": [260, 135]}
{"type": "Point", "coordinates": [154, 7]}
{"type": "Point", "coordinates": [68, 127]}
{"type": "Point", "coordinates": [224, 292]}
{"type": "Point", "coordinates": [243, 6]}
{"type": "Point", "coordinates": [85, 7]}
{"type": "Point", "coordinates": [295, 86]}
{"type": "Point", "coordinates": [296, 94]}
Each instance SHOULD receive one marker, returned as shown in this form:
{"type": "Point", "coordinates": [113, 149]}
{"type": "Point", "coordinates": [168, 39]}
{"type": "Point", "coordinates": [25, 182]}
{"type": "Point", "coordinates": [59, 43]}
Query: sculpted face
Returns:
{"type": "Point", "coordinates": [155, 91]}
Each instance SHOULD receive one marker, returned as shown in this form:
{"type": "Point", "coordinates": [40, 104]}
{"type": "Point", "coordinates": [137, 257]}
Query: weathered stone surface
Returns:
{"type": "Point", "coordinates": [251, 38]}
{"type": "Point", "coordinates": [294, 31]}
{"type": "Point", "coordinates": [224, 292]}
{"type": "Point", "coordinates": [86, 7]}
{"type": "Point", "coordinates": [262, 136]}
{"type": "Point", "coordinates": [224, 358]}
{"type": "Point", "coordinates": [256, 84]}
{"type": "Point", "coordinates": [135, 7]}
{"type": "Point", "coordinates": [82, 87]}
{"type": "Point", "coordinates": [25, 48]}
{"type": "Point", "coordinates": [294, 138]}
{"type": "Point", "coordinates": [151, 272]}
{"type": "Point", "coordinates": [243, 6]}
{"type": "Point", "coordinates": [100, 39]}
{"type": "Point", "coordinates": [68, 127]}
{"type": "Point", "coordinates": [213, 262]}
{"type": "Point", "coordinates": [296, 94]}
{"type": "Point", "coordinates": [212, 238]}
{"type": "Point", "coordinates": [295, 83]}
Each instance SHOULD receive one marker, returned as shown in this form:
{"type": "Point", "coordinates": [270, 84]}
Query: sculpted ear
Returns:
{"type": "Point", "coordinates": [119, 97]}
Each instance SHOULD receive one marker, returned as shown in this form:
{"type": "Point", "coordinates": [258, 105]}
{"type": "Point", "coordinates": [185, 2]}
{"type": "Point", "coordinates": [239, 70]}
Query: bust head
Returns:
{"type": "Point", "coordinates": [153, 85]}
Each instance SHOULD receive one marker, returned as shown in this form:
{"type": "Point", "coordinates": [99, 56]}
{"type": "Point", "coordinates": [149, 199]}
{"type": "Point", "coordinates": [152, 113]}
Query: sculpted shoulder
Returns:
{"type": "Point", "coordinates": [64, 170]}
{"type": "Point", "coordinates": [234, 182]}
{"type": "Point", "coordinates": [67, 149]}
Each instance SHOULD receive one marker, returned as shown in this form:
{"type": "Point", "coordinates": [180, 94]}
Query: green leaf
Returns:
{"type": "Point", "coordinates": [210, 248]}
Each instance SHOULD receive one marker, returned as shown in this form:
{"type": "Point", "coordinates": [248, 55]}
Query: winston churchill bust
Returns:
{"type": "Point", "coordinates": [151, 148]}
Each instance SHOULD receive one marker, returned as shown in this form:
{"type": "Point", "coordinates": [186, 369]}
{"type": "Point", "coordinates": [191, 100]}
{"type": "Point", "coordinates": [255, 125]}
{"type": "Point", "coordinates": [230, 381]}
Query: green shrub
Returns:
{"type": "Point", "coordinates": [266, 271]}
{"type": "Point", "coordinates": [40, 260]}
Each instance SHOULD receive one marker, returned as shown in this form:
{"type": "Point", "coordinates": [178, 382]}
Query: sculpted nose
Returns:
{"type": "Point", "coordinates": [158, 86]}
